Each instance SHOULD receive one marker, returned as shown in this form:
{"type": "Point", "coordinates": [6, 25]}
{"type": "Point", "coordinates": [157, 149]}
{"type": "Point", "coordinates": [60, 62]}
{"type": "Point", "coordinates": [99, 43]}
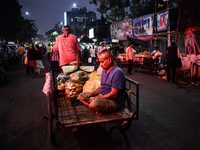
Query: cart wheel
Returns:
{"type": "Point", "coordinates": [183, 79]}
{"type": "Point", "coordinates": [135, 66]}
{"type": "Point", "coordinates": [50, 119]}
{"type": "Point", "coordinates": [119, 139]}
{"type": "Point", "coordinates": [125, 125]}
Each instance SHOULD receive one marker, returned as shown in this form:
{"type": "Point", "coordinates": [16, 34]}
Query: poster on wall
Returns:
{"type": "Point", "coordinates": [189, 44]}
{"type": "Point", "coordinates": [143, 25]}
{"type": "Point", "coordinates": [162, 21]}
{"type": "Point", "coordinates": [196, 36]}
{"type": "Point", "coordinates": [121, 29]}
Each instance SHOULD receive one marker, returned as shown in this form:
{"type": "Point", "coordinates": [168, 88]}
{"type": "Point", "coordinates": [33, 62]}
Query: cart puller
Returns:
{"type": "Point", "coordinates": [67, 47]}
{"type": "Point", "coordinates": [110, 96]}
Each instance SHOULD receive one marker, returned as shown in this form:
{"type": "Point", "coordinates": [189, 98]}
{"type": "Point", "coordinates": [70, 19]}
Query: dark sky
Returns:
{"type": "Point", "coordinates": [47, 13]}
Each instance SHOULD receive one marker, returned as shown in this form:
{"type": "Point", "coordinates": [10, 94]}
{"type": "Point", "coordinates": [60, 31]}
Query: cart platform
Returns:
{"type": "Point", "coordinates": [71, 115]}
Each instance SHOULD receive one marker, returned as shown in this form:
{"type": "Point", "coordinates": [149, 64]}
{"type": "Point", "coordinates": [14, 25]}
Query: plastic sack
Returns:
{"type": "Point", "coordinates": [61, 79]}
{"type": "Point", "coordinates": [72, 89]}
{"type": "Point", "coordinates": [93, 83]}
{"type": "Point", "coordinates": [79, 77]}
{"type": "Point", "coordinates": [90, 60]}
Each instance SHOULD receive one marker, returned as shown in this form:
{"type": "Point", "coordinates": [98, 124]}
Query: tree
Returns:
{"type": "Point", "coordinates": [103, 29]}
{"type": "Point", "coordinates": [53, 33]}
{"type": "Point", "coordinates": [113, 9]}
{"type": "Point", "coordinates": [13, 26]}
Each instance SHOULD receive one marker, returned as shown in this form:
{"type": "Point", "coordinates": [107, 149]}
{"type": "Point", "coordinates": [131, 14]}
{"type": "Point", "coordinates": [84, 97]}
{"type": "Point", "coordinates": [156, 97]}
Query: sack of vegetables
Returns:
{"type": "Point", "coordinates": [74, 86]}
{"type": "Point", "coordinates": [79, 77]}
{"type": "Point", "coordinates": [61, 79]}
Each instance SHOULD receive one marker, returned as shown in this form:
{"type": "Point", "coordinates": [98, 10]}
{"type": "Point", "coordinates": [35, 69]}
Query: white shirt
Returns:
{"type": "Point", "coordinates": [100, 49]}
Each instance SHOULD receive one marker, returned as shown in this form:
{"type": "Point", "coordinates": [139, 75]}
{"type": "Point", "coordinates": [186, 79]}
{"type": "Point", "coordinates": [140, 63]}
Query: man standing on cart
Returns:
{"type": "Point", "coordinates": [67, 47]}
{"type": "Point", "coordinates": [110, 96]}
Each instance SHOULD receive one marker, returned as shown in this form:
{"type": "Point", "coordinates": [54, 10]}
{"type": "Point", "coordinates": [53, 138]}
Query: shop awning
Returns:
{"type": "Point", "coordinates": [137, 42]}
{"type": "Point", "coordinates": [86, 39]}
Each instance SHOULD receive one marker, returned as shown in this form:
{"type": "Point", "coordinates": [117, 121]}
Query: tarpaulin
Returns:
{"type": "Point", "coordinates": [137, 42]}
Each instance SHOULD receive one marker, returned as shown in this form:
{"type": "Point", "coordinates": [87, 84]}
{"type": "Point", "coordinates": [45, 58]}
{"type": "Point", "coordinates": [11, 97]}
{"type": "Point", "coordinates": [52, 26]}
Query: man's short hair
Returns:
{"type": "Point", "coordinates": [105, 51]}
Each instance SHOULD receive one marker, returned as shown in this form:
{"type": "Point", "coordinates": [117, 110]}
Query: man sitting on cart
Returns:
{"type": "Point", "coordinates": [110, 96]}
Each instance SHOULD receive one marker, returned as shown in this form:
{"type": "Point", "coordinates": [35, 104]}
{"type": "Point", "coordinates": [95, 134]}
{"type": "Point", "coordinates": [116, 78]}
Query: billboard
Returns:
{"type": "Point", "coordinates": [91, 33]}
{"type": "Point", "coordinates": [162, 21]}
{"type": "Point", "coordinates": [121, 29]}
{"type": "Point", "coordinates": [189, 44]}
{"type": "Point", "coordinates": [143, 25]}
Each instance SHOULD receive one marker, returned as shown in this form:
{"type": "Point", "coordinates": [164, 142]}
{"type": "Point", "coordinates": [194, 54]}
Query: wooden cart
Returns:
{"type": "Point", "coordinates": [63, 113]}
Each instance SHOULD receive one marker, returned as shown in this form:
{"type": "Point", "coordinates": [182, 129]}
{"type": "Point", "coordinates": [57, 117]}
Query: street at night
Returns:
{"type": "Point", "coordinates": [168, 117]}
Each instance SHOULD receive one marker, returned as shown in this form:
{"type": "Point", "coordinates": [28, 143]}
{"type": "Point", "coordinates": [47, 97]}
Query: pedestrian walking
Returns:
{"type": "Point", "coordinates": [54, 59]}
{"type": "Point", "coordinates": [92, 55]}
{"type": "Point", "coordinates": [21, 51]}
{"type": "Point", "coordinates": [172, 54]}
{"type": "Point", "coordinates": [67, 47]}
{"type": "Point", "coordinates": [48, 51]}
{"type": "Point", "coordinates": [86, 54]}
{"type": "Point", "coordinates": [31, 60]}
{"type": "Point", "coordinates": [38, 59]}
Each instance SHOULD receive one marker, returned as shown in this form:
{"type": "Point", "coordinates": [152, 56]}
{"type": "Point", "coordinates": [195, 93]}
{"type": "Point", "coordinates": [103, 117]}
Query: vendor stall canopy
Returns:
{"type": "Point", "coordinates": [86, 39]}
{"type": "Point", "coordinates": [137, 42]}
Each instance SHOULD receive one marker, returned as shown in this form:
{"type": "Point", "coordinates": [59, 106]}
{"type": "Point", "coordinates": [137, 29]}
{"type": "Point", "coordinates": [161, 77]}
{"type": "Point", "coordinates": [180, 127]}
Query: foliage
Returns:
{"type": "Point", "coordinates": [103, 29]}
{"type": "Point", "coordinates": [53, 33]}
{"type": "Point", "coordinates": [113, 9]}
{"type": "Point", "coordinates": [13, 26]}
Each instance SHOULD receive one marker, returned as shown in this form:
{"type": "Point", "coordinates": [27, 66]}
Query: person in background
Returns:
{"type": "Point", "coordinates": [101, 48]}
{"type": "Point", "coordinates": [21, 52]}
{"type": "Point", "coordinates": [92, 55]}
{"type": "Point", "coordinates": [43, 50]}
{"type": "Point", "coordinates": [110, 96]}
{"type": "Point", "coordinates": [172, 54]}
{"type": "Point", "coordinates": [54, 59]}
{"type": "Point", "coordinates": [129, 58]}
{"type": "Point", "coordinates": [31, 59]}
{"type": "Point", "coordinates": [38, 59]}
{"type": "Point", "coordinates": [48, 51]}
{"type": "Point", "coordinates": [86, 54]}
{"type": "Point", "coordinates": [67, 47]}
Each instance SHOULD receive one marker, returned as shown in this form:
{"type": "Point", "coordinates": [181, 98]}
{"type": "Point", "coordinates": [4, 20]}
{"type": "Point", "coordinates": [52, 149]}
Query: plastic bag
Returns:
{"type": "Point", "coordinates": [93, 83]}
{"type": "Point", "coordinates": [90, 60]}
{"type": "Point", "coordinates": [79, 77]}
{"type": "Point", "coordinates": [72, 89]}
{"type": "Point", "coordinates": [61, 79]}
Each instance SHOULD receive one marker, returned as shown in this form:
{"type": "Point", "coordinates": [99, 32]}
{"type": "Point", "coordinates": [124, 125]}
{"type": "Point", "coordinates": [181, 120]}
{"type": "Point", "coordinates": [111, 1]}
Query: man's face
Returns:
{"type": "Point", "coordinates": [104, 61]}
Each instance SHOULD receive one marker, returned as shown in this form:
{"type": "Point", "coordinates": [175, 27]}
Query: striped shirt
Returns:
{"type": "Point", "coordinates": [54, 56]}
{"type": "Point", "coordinates": [67, 47]}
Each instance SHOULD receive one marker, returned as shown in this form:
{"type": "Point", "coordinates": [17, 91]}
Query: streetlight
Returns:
{"type": "Point", "coordinates": [75, 5]}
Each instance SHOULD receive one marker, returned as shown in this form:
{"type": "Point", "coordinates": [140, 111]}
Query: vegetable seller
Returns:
{"type": "Point", "coordinates": [67, 47]}
{"type": "Point", "coordinates": [110, 96]}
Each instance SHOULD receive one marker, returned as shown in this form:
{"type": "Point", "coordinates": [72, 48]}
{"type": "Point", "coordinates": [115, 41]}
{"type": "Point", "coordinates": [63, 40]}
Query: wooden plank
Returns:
{"type": "Point", "coordinates": [71, 115]}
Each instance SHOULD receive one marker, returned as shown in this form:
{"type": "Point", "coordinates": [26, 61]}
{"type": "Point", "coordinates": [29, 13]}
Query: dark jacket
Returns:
{"type": "Point", "coordinates": [172, 53]}
{"type": "Point", "coordinates": [31, 54]}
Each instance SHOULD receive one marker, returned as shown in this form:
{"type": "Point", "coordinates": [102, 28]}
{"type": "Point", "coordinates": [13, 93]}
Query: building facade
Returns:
{"type": "Point", "coordinates": [79, 19]}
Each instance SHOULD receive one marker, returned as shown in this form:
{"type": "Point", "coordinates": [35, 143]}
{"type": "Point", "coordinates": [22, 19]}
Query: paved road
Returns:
{"type": "Point", "coordinates": [169, 117]}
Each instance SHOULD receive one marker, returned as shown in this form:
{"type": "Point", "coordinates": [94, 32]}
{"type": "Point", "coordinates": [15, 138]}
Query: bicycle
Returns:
{"type": "Point", "coordinates": [187, 78]}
